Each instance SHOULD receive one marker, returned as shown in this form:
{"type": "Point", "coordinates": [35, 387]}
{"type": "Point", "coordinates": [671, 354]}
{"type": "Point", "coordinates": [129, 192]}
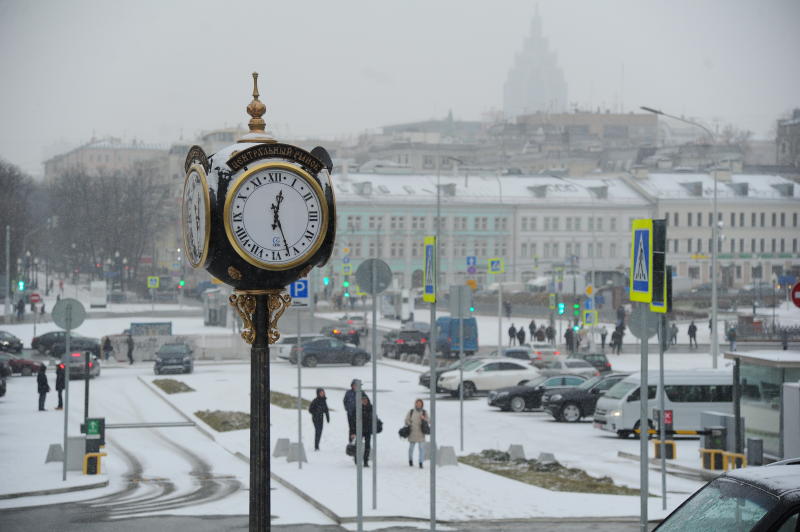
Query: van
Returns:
{"type": "Point", "coordinates": [687, 394]}
{"type": "Point", "coordinates": [448, 339]}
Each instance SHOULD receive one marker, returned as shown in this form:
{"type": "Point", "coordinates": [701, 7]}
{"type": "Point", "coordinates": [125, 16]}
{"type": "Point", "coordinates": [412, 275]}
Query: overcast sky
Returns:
{"type": "Point", "coordinates": [156, 70]}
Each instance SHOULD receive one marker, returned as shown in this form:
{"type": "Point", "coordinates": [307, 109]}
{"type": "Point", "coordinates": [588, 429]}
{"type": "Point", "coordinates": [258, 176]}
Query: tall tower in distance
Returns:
{"type": "Point", "coordinates": [535, 82]}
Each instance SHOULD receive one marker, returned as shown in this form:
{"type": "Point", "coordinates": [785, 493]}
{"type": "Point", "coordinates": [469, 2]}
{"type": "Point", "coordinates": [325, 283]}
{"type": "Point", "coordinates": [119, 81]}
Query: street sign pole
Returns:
{"type": "Point", "coordinates": [499, 318]}
{"type": "Point", "coordinates": [374, 275]}
{"type": "Point", "coordinates": [643, 425]}
{"type": "Point", "coordinates": [65, 361]}
{"type": "Point", "coordinates": [86, 356]}
{"type": "Point", "coordinates": [461, 366]}
{"type": "Point", "coordinates": [359, 461]}
{"type": "Point", "coordinates": [662, 324]}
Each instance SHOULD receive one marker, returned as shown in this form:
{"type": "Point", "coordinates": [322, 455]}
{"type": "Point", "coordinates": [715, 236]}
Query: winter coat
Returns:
{"type": "Point", "coordinates": [366, 420]}
{"type": "Point", "coordinates": [41, 382]}
{"type": "Point", "coordinates": [692, 330]}
{"type": "Point", "coordinates": [521, 336]}
{"type": "Point", "coordinates": [318, 408]}
{"type": "Point", "coordinates": [107, 346]}
{"type": "Point", "coordinates": [130, 344]}
{"type": "Point", "coordinates": [414, 420]}
{"type": "Point", "coordinates": [350, 403]}
{"type": "Point", "coordinates": [60, 379]}
{"type": "Point", "coordinates": [512, 332]}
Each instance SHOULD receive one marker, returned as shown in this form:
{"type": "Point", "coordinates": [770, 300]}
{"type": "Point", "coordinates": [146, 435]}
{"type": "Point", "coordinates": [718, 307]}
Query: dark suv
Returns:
{"type": "Point", "coordinates": [10, 343]}
{"type": "Point", "coordinates": [343, 332]}
{"type": "Point", "coordinates": [174, 358]}
{"type": "Point", "coordinates": [414, 342]}
{"type": "Point", "coordinates": [328, 351]}
{"type": "Point", "coordinates": [574, 403]}
{"type": "Point", "coordinates": [598, 360]}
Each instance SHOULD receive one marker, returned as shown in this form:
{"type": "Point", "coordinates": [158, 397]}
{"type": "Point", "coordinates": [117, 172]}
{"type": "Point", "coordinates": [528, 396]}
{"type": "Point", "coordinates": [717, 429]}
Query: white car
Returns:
{"type": "Point", "coordinates": [487, 374]}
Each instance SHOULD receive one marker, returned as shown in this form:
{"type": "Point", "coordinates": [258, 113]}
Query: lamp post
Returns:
{"type": "Point", "coordinates": [714, 240]}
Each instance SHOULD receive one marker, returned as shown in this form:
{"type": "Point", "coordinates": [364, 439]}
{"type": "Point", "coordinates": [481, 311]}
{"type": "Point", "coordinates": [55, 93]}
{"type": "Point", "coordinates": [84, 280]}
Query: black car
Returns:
{"type": "Point", "coordinates": [574, 403]}
{"type": "Point", "coordinates": [343, 332]}
{"type": "Point", "coordinates": [328, 351]}
{"type": "Point", "coordinates": [529, 395]}
{"type": "Point", "coordinates": [425, 378]}
{"type": "Point", "coordinates": [2, 386]}
{"type": "Point", "coordinates": [755, 499]}
{"type": "Point", "coordinates": [5, 369]}
{"type": "Point", "coordinates": [10, 343]}
{"type": "Point", "coordinates": [76, 344]}
{"type": "Point", "coordinates": [598, 360]}
{"type": "Point", "coordinates": [174, 358]}
{"type": "Point", "coordinates": [388, 343]}
{"type": "Point", "coordinates": [44, 342]}
{"type": "Point", "coordinates": [410, 341]}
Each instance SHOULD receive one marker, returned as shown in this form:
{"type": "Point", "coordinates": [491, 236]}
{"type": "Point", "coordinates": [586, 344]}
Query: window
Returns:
{"type": "Point", "coordinates": [675, 245]}
{"type": "Point", "coordinates": [599, 224]}
{"type": "Point", "coordinates": [678, 393]}
{"type": "Point", "coordinates": [590, 249]}
{"type": "Point", "coordinates": [689, 219]}
{"type": "Point", "coordinates": [774, 219]}
{"type": "Point", "coordinates": [733, 219]}
{"type": "Point", "coordinates": [569, 223]}
{"type": "Point", "coordinates": [524, 224]}
{"type": "Point", "coordinates": [375, 222]}
{"type": "Point", "coordinates": [612, 251]}
{"type": "Point", "coordinates": [547, 250]}
{"type": "Point", "coordinates": [600, 250]}
{"type": "Point", "coordinates": [699, 219]}
{"type": "Point", "coordinates": [741, 245]}
{"type": "Point", "coordinates": [439, 222]}
{"type": "Point", "coordinates": [397, 222]}
{"type": "Point", "coordinates": [492, 366]}
{"type": "Point", "coordinates": [481, 223]}
{"type": "Point", "coordinates": [794, 245]}
{"type": "Point", "coordinates": [577, 224]}
{"type": "Point", "coordinates": [577, 250]}
{"type": "Point", "coordinates": [555, 249]}
{"type": "Point", "coordinates": [533, 224]}
{"type": "Point", "coordinates": [774, 247]}
{"type": "Point", "coordinates": [741, 219]}
{"type": "Point", "coordinates": [613, 223]}
{"type": "Point", "coordinates": [700, 245]}
{"type": "Point", "coordinates": [546, 223]}
{"type": "Point", "coordinates": [524, 249]}
{"type": "Point", "coordinates": [733, 246]}
{"type": "Point", "coordinates": [794, 219]}
{"type": "Point", "coordinates": [763, 219]}
{"type": "Point", "coordinates": [354, 223]}
{"type": "Point", "coordinates": [666, 217]}
{"type": "Point", "coordinates": [568, 249]}
{"type": "Point", "coordinates": [753, 245]}
{"type": "Point", "coordinates": [783, 249]}
{"type": "Point", "coordinates": [688, 245]}
{"type": "Point", "coordinates": [710, 219]}
{"type": "Point", "coordinates": [533, 250]}
{"type": "Point", "coordinates": [694, 272]}
{"type": "Point", "coordinates": [752, 219]}
{"type": "Point", "coordinates": [417, 222]}
{"type": "Point", "coordinates": [761, 245]}
{"type": "Point", "coordinates": [555, 223]}
{"type": "Point", "coordinates": [783, 219]}
{"type": "Point", "coordinates": [460, 223]}
{"type": "Point", "coordinates": [675, 219]}
{"type": "Point", "coordinates": [651, 393]}
{"type": "Point", "coordinates": [416, 249]}
{"type": "Point", "coordinates": [500, 223]}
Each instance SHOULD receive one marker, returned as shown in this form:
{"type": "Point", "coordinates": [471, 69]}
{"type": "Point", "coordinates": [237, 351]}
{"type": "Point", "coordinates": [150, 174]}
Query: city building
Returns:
{"type": "Point", "coordinates": [788, 140]}
{"type": "Point", "coordinates": [109, 156]}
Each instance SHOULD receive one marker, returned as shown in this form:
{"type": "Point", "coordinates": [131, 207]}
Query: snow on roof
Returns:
{"type": "Point", "coordinates": [779, 358]}
{"type": "Point", "coordinates": [482, 189]}
{"type": "Point", "coordinates": [701, 186]}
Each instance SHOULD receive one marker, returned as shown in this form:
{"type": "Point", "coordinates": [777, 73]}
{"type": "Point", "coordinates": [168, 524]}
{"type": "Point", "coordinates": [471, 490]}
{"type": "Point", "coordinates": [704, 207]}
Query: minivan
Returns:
{"type": "Point", "coordinates": [687, 394]}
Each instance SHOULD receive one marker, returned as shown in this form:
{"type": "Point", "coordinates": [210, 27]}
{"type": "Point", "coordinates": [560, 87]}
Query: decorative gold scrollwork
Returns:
{"type": "Point", "coordinates": [244, 301]}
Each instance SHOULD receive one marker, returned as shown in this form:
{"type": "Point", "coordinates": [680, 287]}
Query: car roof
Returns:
{"type": "Point", "coordinates": [506, 359]}
{"type": "Point", "coordinates": [777, 478]}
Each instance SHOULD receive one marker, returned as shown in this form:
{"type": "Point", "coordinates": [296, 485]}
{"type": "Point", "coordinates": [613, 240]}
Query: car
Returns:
{"type": "Point", "coordinates": [572, 404]}
{"type": "Point", "coordinates": [357, 322]}
{"type": "Point", "coordinates": [283, 347]}
{"type": "Point", "coordinates": [20, 365]}
{"type": "Point", "coordinates": [5, 369]}
{"type": "Point", "coordinates": [44, 342]}
{"type": "Point", "coordinates": [328, 351]}
{"type": "Point", "coordinates": [521, 353]}
{"type": "Point", "coordinates": [425, 378]}
{"type": "Point", "coordinates": [543, 353]}
{"type": "Point", "coordinates": [2, 386]}
{"type": "Point", "coordinates": [529, 395]}
{"type": "Point", "coordinates": [598, 360]}
{"type": "Point", "coordinates": [482, 375]}
{"type": "Point", "coordinates": [755, 499]}
{"type": "Point", "coordinates": [343, 332]}
{"type": "Point", "coordinates": [77, 365]}
{"type": "Point", "coordinates": [414, 342]}
{"type": "Point", "coordinates": [388, 343]}
{"type": "Point", "coordinates": [10, 343]}
{"type": "Point", "coordinates": [76, 343]}
{"type": "Point", "coordinates": [571, 366]}
{"type": "Point", "coordinates": [173, 358]}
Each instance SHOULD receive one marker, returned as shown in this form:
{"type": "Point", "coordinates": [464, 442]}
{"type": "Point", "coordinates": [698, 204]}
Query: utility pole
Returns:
{"type": "Point", "coordinates": [7, 288]}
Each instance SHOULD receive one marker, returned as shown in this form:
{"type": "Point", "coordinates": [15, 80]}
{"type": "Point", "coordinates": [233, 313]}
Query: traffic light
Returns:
{"type": "Point", "coordinates": [576, 328]}
{"type": "Point", "coordinates": [346, 284]}
{"type": "Point", "coordinates": [326, 281]}
{"type": "Point", "coordinates": [561, 309]}
{"type": "Point", "coordinates": [21, 285]}
{"type": "Point", "coordinates": [576, 309]}
{"type": "Point", "coordinates": [472, 308]}
{"type": "Point", "coordinates": [181, 283]}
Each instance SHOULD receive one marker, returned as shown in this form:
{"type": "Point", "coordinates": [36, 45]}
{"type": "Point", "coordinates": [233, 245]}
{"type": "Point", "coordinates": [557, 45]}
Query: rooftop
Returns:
{"type": "Point", "coordinates": [742, 187]}
{"type": "Point", "coordinates": [777, 358]}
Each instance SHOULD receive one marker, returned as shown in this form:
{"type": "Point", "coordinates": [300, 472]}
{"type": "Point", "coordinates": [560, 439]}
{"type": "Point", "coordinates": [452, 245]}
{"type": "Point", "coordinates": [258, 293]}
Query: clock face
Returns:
{"type": "Point", "coordinates": [195, 215]}
{"type": "Point", "coordinates": [275, 216]}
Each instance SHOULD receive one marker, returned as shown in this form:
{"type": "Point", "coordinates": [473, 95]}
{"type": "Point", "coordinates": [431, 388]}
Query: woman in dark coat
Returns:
{"type": "Point", "coordinates": [366, 428]}
{"type": "Point", "coordinates": [42, 386]}
{"type": "Point", "coordinates": [60, 385]}
{"type": "Point", "coordinates": [318, 409]}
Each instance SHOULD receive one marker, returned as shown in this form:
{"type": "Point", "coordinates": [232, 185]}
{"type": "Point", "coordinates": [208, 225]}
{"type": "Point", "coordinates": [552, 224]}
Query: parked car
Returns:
{"type": "Point", "coordinates": [20, 365]}
{"type": "Point", "coordinates": [388, 343]}
{"type": "Point", "coordinates": [425, 378]}
{"type": "Point", "coordinates": [10, 343]}
{"type": "Point", "coordinates": [571, 366]}
{"type": "Point", "coordinates": [414, 342]}
{"type": "Point", "coordinates": [328, 351]}
{"type": "Point", "coordinates": [5, 369]}
{"type": "Point", "coordinates": [343, 332]}
{"type": "Point", "coordinates": [357, 322]}
{"type": "Point", "coordinates": [283, 346]}
{"type": "Point", "coordinates": [543, 353]}
{"type": "Point", "coordinates": [755, 499]}
{"type": "Point", "coordinates": [174, 358]}
{"type": "Point", "coordinates": [2, 386]}
{"type": "Point", "coordinates": [76, 343]}
{"type": "Point", "coordinates": [520, 353]}
{"type": "Point", "coordinates": [44, 342]}
{"type": "Point", "coordinates": [482, 375]}
{"type": "Point", "coordinates": [598, 360]}
{"type": "Point", "coordinates": [529, 395]}
{"type": "Point", "coordinates": [77, 365]}
{"type": "Point", "coordinates": [575, 403]}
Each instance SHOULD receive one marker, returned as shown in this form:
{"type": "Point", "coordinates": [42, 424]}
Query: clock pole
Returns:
{"type": "Point", "coordinates": [259, 421]}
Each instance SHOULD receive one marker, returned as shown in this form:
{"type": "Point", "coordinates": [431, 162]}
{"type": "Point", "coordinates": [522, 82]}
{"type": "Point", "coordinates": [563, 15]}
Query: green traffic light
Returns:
{"type": "Point", "coordinates": [575, 328]}
{"type": "Point", "coordinates": [472, 309]}
{"type": "Point", "coordinates": [346, 284]}
{"type": "Point", "coordinates": [21, 286]}
{"type": "Point", "coordinates": [326, 281]}
{"type": "Point", "coordinates": [182, 283]}
{"type": "Point", "coordinates": [561, 308]}
{"type": "Point", "coordinates": [347, 294]}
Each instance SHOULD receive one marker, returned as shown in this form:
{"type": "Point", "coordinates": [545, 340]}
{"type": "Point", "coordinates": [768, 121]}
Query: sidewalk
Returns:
{"type": "Point", "coordinates": [26, 434]}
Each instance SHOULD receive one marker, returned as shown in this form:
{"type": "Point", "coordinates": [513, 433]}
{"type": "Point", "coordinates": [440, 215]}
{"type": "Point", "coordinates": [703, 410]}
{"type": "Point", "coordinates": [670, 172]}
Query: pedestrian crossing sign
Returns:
{"type": "Point", "coordinates": [496, 266]}
{"type": "Point", "coordinates": [641, 274]}
{"type": "Point", "coordinates": [589, 318]}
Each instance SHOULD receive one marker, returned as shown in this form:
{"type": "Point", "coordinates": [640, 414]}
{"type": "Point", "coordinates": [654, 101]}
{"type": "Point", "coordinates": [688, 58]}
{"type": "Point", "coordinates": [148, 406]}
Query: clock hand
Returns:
{"type": "Point", "coordinates": [276, 221]}
{"type": "Point", "coordinates": [283, 237]}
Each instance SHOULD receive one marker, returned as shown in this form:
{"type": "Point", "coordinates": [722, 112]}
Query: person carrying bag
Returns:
{"type": "Point", "coordinates": [417, 426]}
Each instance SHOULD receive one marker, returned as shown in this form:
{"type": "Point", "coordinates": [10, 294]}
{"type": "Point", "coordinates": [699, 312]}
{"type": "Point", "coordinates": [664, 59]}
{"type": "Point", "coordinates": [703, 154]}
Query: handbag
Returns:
{"type": "Point", "coordinates": [379, 425]}
{"type": "Point", "coordinates": [350, 450]}
{"type": "Point", "coordinates": [426, 428]}
{"type": "Point", "coordinates": [404, 431]}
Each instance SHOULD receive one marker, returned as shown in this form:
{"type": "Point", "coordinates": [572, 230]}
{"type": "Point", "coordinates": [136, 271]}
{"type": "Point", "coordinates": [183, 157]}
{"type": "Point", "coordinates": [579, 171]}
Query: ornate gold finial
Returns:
{"type": "Point", "coordinates": [256, 109]}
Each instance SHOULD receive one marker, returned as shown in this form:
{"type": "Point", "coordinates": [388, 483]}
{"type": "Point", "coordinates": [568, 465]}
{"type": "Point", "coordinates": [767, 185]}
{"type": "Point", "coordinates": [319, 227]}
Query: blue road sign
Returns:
{"type": "Point", "coordinates": [588, 304]}
{"type": "Point", "coordinates": [472, 260]}
{"type": "Point", "coordinates": [496, 265]}
{"type": "Point", "coordinates": [299, 292]}
{"type": "Point", "coordinates": [641, 285]}
{"type": "Point", "coordinates": [600, 300]}
{"type": "Point", "coordinates": [346, 259]}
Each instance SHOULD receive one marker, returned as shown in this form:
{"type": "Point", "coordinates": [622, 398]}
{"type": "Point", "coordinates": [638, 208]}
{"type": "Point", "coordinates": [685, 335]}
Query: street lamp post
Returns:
{"type": "Point", "coordinates": [714, 240]}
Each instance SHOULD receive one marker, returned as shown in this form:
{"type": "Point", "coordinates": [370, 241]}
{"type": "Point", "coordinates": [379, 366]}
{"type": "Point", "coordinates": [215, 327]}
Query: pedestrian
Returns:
{"type": "Point", "coordinates": [620, 336]}
{"type": "Point", "coordinates": [603, 334]}
{"type": "Point", "coordinates": [419, 423]}
{"type": "Point", "coordinates": [366, 428]}
{"type": "Point", "coordinates": [20, 309]}
{"type": "Point", "coordinates": [61, 286]}
{"type": "Point", "coordinates": [692, 335]}
{"type": "Point", "coordinates": [507, 308]}
{"type": "Point", "coordinates": [41, 311]}
{"type": "Point", "coordinates": [550, 333]}
{"type": "Point", "coordinates": [674, 334]}
{"type": "Point", "coordinates": [541, 335]}
{"type": "Point", "coordinates": [512, 335]}
{"type": "Point", "coordinates": [130, 348]}
{"type": "Point", "coordinates": [532, 329]}
{"type": "Point", "coordinates": [350, 406]}
{"type": "Point", "coordinates": [42, 386]}
{"type": "Point", "coordinates": [521, 336]}
{"type": "Point", "coordinates": [732, 338]}
{"type": "Point", "coordinates": [60, 385]}
{"type": "Point", "coordinates": [785, 339]}
{"type": "Point", "coordinates": [58, 298]}
{"type": "Point", "coordinates": [107, 348]}
{"type": "Point", "coordinates": [318, 409]}
{"type": "Point", "coordinates": [569, 336]}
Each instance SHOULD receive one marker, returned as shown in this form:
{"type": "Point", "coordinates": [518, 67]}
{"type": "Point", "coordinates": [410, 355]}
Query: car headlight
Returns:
{"type": "Point", "coordinates": [502, 394]}
{"type": "Point", "coordinates": [158, 358]}
{"type": "Point", "coordinates": [614, 413]}
{"type": "Point", "coordinates": [556, 397]}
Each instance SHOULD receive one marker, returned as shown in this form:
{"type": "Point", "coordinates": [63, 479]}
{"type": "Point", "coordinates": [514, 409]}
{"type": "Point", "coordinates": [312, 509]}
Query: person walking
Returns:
{"type": "Point", "coordinates": [732, 338]}
{"type": "Point", "coordinates": [366, 428]}
{"type": "Point", "coordinates": [60, 375]}
{"type": "Point", "coordinates": [512, 335]}
{"type": "Point", "coordinates": [532, 329]}
{"type": "Point", "coordinates": [620, 336]}
{"type": "Point", "coordinates": [674, 334]}
{"type": "Point", "coordinates": [603, 334]}
{"type": "Point", "coordinates": [569, 337]}
{"type": "Point", "coordinates": [20, 309]}
{"type": "Point", "coordinates": [692, 335]}
{"type": "Point", "coordinates": [318, 409]}
{"type": "Point", "coordinates": [349, 402]}
{"type": "Point", "coordinates": [521, 336]}
{"type": "Point", "coordinates": [107, 348]}
{"type": "Point", "coordinates": [550, 333]}
{"type": "Point", "coordinates": [507, 308]}
{"type": "Point", "coordinates": [129, 341]}
{"type": "Point", "coordinates": [42, 386]}
{"type": "Point", "coordinates": [419, 423]}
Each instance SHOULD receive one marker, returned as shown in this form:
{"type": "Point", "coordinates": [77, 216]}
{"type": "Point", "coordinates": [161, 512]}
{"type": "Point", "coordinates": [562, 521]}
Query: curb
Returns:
{"type": "Point", "coordinates": [53, 491]}
{"type": "Point", "coordinates": [203, 431]}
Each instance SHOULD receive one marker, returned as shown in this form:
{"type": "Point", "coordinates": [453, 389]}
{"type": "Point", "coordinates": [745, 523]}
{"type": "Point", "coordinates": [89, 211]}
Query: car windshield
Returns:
{"type": "Point", "coordinates": [472, 364]}
{"type": "Point", "coordinates": [586, 385]}
{"type": "Point", "coordinates": [621, 389]}
{"type": "Point", "coordinates": [724, 504]}
{"type": "Point", "coordinates": [171, 349]}
{"type": "Point", "coordinates": [533, 383]}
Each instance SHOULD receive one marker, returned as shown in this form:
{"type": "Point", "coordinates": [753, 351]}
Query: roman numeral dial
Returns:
{"type": "Point", "coordinates": [275, 216]}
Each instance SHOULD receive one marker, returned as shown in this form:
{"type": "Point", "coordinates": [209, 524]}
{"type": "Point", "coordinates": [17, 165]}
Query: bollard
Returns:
{"type": "Point", "coordinates": [516, 452]}
{"type": "Point", "coordinates": [755, 451]}
{"type": "Point", "coordinates": [446, 456]}
{"type": "Point", "coordinates": [281, 448]}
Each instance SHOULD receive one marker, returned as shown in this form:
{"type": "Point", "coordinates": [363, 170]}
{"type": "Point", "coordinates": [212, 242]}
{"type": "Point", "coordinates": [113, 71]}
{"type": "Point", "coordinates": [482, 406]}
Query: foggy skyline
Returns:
{"type": "Point", "coordinates": [155, 72]}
